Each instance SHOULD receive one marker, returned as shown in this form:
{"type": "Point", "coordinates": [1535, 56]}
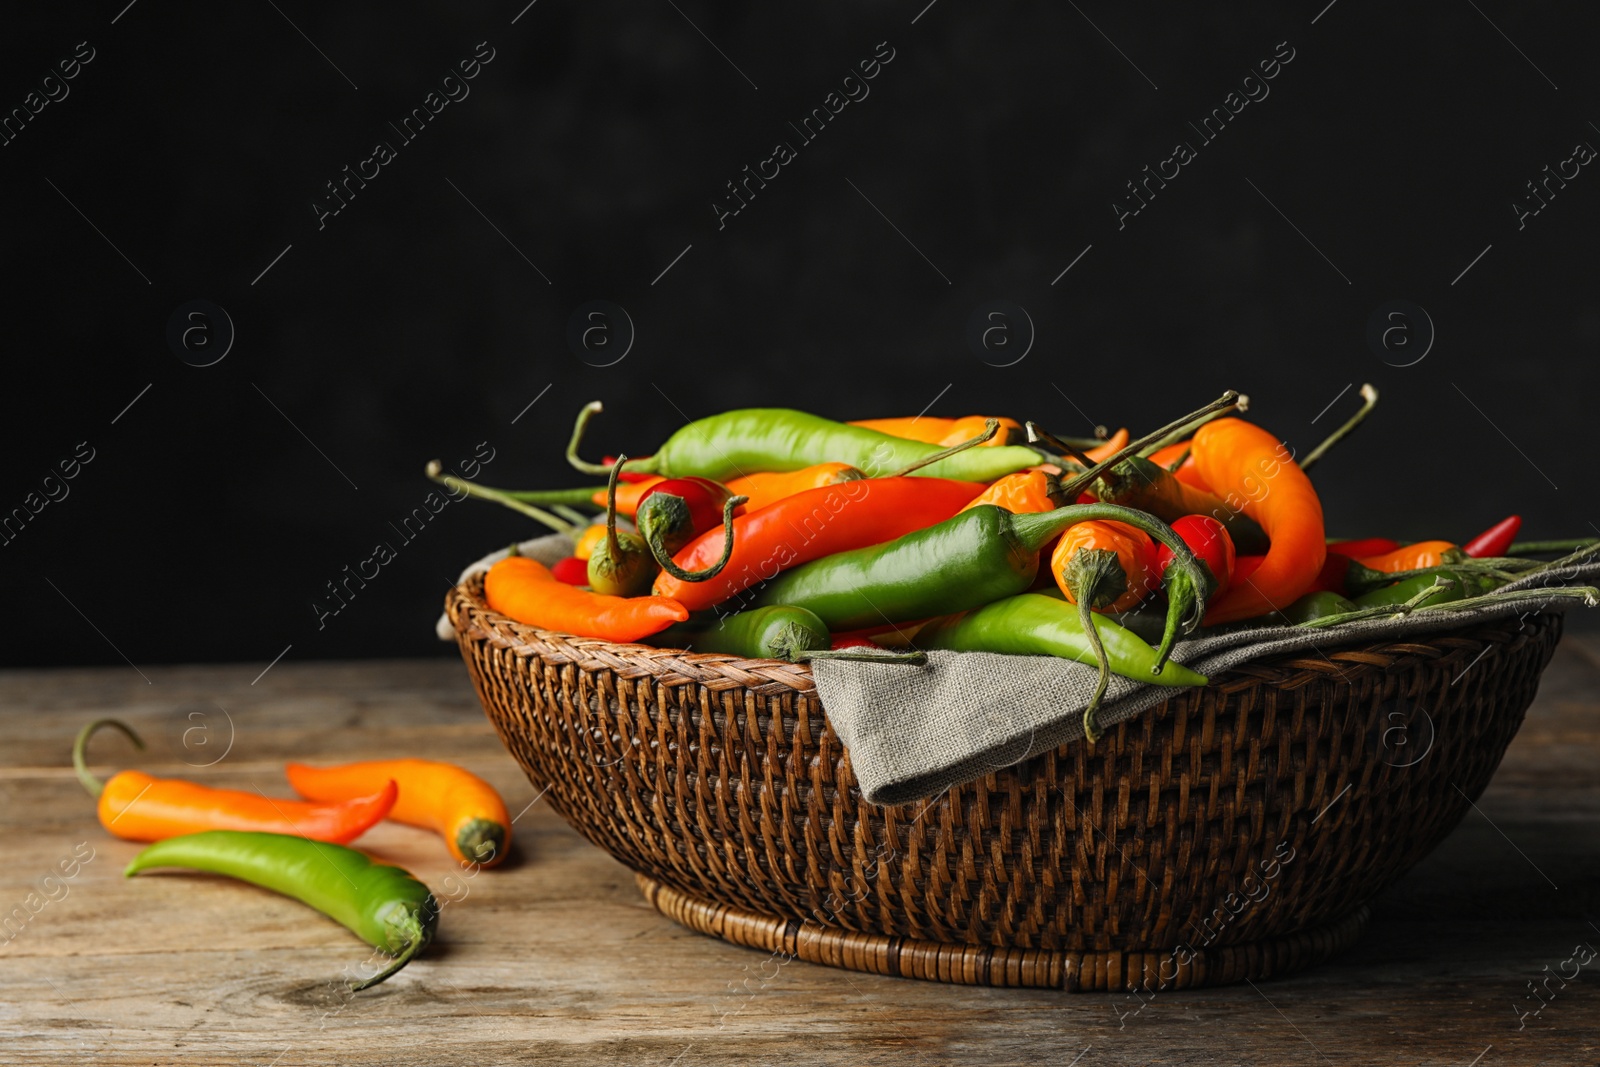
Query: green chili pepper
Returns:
{"type": "Point", "coordinates": [1313, 606]}
{"type": "Point", "coordinates": [779, 439]}
{"type": "Point", "coordinates": [383, 905]}
{"type": "Point", "coordinates": [1463, 584]}
{"type": "Point", "coordinates": [1034, 624]}
{"type": "Point", "coordinates": [778, 632]}
{"type": "Point", "coordinates": [975, 558]}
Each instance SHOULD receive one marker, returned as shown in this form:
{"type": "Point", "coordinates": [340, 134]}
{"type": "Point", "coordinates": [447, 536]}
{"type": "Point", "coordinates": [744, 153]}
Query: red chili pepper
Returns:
{"type": "Point", "coordinates": [853, 641]}
{"type": "Point", "coordinates": [697, 508]}
{"type": "Point", "coordinates": [572, 570]}
{"type": "Point", "coordinates": [629, 476]}
{"type": "Point", "coordinates": [1367, 546]}
{"type": "Point", "coordinates": [1335, 570]}
{"type": "Point", "coordinates": [1496, 539]}
{"type": "Point", "coordinates": [1206, 538]}
{"type": "Point", "coordinates": [1244, 567]}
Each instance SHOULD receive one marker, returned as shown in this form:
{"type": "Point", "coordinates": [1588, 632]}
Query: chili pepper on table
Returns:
{"type": "Point", "coordinates": [525, 590]}
{"type": "Point", "coordinates": [1139, 483]}
{"type": "Point", "coordinates": [1496, 539]}
{"type": "Point", "coordinates": [138, 807]}
{"type": "Point", "coordinates": [810, 525]}
{"type": "Point", "coordinates": [383, 905]}
{"type": "Point", "coordinates": [972, 559]}
{"type": "Point", "coordinates": [1254, 473]}
{"type": "Point", "coordinates": [1208, 539]}
{"type": "Point", "coordinates": [769, 487]}
{"type": "Point", "coordinates": [621, 564]}
{"type": "Point", "coordinates": [1414, 557]}
{"type": "Point", "coordinates": [453, 802]}
{"type": "Point", "coordinates": [779, 439]}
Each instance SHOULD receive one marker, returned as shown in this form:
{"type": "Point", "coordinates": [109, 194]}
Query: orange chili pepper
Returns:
{"type": "Point", "coordinates": [769, 487]}
{"type": "Point", "coordinates": [1109, 562]}
{"type": "Point", "coordinates": [628, 494]}
{"type": "Point", "coordinates": [920, 428]}
{"type": "Point", "coordinates": [1115, 443]}
{"type": "Point", "coordinates": [1414, 557]}
{"type": "Point", "coordinates": [1253, 472]}
{"type": "Point", "coordinates": [138, 807]}
{"type": "Point", "coordinates": [1188, 473]}
{"type": "Point", "coordinates": [583, 548]}
{"type": "Point", "coordinates": [1020, 493]}
{"type": "Point", "coordinates": [453, 802]}
{"type": "Point", "coordinates": [525, 590]}
{"type": "Point", "coordinates": [970, 426]}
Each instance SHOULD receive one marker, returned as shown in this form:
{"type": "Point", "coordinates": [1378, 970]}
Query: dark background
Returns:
{"type": "Point", "coordinates": [597, 139]}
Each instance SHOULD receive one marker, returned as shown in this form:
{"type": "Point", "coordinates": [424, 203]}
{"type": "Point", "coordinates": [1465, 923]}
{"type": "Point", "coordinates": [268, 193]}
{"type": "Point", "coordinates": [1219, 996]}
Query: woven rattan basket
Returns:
{"type": "Point", "coordinates": [1233, 832]}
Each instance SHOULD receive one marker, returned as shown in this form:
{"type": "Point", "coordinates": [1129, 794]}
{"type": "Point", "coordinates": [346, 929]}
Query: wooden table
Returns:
{"type": "Point", "coordinates": [557, 959]}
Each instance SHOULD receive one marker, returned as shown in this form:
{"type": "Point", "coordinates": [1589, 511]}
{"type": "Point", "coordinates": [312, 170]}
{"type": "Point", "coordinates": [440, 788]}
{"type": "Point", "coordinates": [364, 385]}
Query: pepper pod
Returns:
{"type": "Point", "coordinates": [621, 564]}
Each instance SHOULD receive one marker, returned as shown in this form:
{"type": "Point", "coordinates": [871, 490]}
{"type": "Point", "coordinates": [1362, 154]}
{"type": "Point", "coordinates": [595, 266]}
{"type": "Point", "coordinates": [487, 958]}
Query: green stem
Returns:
{"type": "Point", "coordinates": [1384, 611]}
{"type": "Point", "coordinates": [1188, 583]}
{"type": "Point", "coordinates": [80, 747]}
{"type": "Point", "coordinates": [435, 473]}
{"type": "Point", "coordinates": [1539, 548]}
{"type": "Point", "coordinates": [1177, 464]}
{"type": "Point", "coordinates": [663, 557]}
{"type": "Point", "coordinates": [412, 947]}
{"type": "Point", "coordinates": [585, 414]}
{"type": "Point", "coordinates": [1091, 725]}
{"type": "Point", "coordinates": [990, 428]}
{"type": "Point", "coordinates": [1062, 446]}
{"type": "Point", "coordinates": [1185, 428]}
{"type": "Point", "coordinates": [1370, 396]}
{"type": "Point", "coordinates": [1360, 579]}
{"type": "Point", "coordinates": [554, 497]}
{"type": "Point", "coordinates": [1228, 401]}
{"type": "Point", "coordinates": [914, 657]}
{"type": "Point", "coordinates": [611, 509]}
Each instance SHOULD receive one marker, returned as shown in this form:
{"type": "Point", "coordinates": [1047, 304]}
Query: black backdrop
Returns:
{"type": "Point", "coordinates": [582, 161]}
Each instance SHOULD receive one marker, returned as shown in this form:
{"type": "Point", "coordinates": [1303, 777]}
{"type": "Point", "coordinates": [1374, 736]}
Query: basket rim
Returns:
{"type": "Point", "coordinates": [471, 616]}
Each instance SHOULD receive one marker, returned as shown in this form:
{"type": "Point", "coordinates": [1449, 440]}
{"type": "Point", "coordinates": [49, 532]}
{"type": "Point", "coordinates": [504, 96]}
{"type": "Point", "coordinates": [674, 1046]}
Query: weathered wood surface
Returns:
{"type": "Point", "coordinates": [557, 959]}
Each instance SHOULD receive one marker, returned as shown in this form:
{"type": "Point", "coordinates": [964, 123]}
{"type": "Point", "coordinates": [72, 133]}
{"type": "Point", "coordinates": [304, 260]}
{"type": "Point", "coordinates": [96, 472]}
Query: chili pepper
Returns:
{"type": "Point", "coordinates": [761, 633]}
{"type": "Point", "coordinates": [629, 495]}
{"type": "Point", "coordinates": [1496, 539]}
{"type": "Point", "coordinates": [812, 524]}
{"type": "Point", "coordinates": [1208, 539]}
{"type": "Point", "coordinates": [627, 476]}
{"type": "Point", "coordinates": [963, 428]}
{"type": "Point", "coordinates": [1139, 483]}
{"type": "Point", "coordinates": [929, 429]}
{"type": "Point", "coordinates": [1414, 557]}
{"type": "Point", "coordinates": [1318, 605]}
{"type": "Point", "coordinates": [583, 547]}
{"type": "Point", "coordinates": [1255, 474]}
{"type": "Point", "coordinates": [525, 590]}
{"type": "Point", "coordinates": [381, 904]}
{"type": "Point", "coordinates": [1022, 492]}
{"type": "Point", "coordinates": [1369, 546]}
{"type": "Point", "coordinates": [779, 439]}
{"type": "Point", "coordinates": [675, 512]}
{"type": "Point", "coordinates": [1103, 451]}
{"type": "Point", "coordinates": [1245, 567]}
{"type": "Point", "coordinates": [967, 561]}
{"type": "Point", "coordinates": [622, 564]}
{"type": "Point", "coordinates": [1033, 624]}
{"type": "Point", "coordinates": [1178, 460]}
{"type": "Point", "coordinates": [769, 487]}
{"type": "Point", "coordinates": [137, 807]}
{"type": "Point", "coordinates": [453, 802]}
{"type": "Point", "coordinates": [1108, 564]}
{"type": "Point", "coordinates": [572, 570]}
{"type": "Point", "coordinates": [1463, 584]}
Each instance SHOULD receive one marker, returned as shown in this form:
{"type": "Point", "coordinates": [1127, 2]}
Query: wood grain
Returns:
{"type": "Point", "coordinates": [557, 959]}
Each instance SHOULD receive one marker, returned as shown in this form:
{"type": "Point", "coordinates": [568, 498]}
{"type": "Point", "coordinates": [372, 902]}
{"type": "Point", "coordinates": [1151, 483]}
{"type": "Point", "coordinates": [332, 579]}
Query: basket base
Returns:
{"type": "Point", "coordinates": [939, 961]}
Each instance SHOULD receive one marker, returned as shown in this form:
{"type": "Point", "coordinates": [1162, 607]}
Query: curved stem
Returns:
{"type": "Point", "coordinates": [1091, 724]}
{"type": "Point", "coordinates": [664, 557]}
{"type": "Point", "coordinates": [435, 472]}
{"type": "Point", "coordinates": [406, 955]}
{"type": "Point", "coordinates": [611, 509]}
{"type": "Point", "coordinates": [587, 412]}
{"type": "Point", "coordinates": [1178, 431]}
{"type": "Point", "coordinates": [80, 747]}
{"type": "Point", "coordinates": [990, 428]}
{"type": "Point", "coordinates": [1370, 396]}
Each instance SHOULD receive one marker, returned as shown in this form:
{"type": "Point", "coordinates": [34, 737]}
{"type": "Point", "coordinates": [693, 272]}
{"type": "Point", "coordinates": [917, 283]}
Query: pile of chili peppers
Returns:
{"type": "Point", "coordinates": [780, 534]}
{"type": "Point", "coordinates": [298, 847]}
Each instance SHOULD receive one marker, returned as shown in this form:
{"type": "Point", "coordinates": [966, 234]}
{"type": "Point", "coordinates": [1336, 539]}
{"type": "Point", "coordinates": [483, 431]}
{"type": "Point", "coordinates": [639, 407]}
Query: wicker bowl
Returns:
{"type": "Point", "coordinates": [1232, 832]}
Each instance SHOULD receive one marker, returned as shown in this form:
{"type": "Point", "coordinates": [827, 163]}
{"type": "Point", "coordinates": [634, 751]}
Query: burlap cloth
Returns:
{"type": "Point", "coordinates": [915, 731]}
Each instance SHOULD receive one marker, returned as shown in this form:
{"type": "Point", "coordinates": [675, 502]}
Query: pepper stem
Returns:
{"type": "Point", "coordinates": [1177, 464]}
{"type": "Point", "coordinates": [1091, 723]}
{"type": "Point", "coordinates": [915, 657]}
{"type": "Point", "coordinates": [1539, 548]}
{"type": "Point", "coordinates": [1185, 428]}
{"type": "Point", "coordinates": [1370, 397]}
{"type": "Point", "coordinates": [80, 747]}
{"type": "Point", "coordinates": [587, 412]}
{"type": "Point", "coordinates": [554, 498]}
{"type": "Point", "coordinates": [663, 557]}
{"type": "Point", "coordinates": [412, 947]}
{"type": "Point", "coordinates": [435, 472]}
{"type": "Point", "coordinates": [1062, 446]}
{"type": "Point", "coordinates": [611, 508]}
{"type": "Point", "coordinates": [990, 428]}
